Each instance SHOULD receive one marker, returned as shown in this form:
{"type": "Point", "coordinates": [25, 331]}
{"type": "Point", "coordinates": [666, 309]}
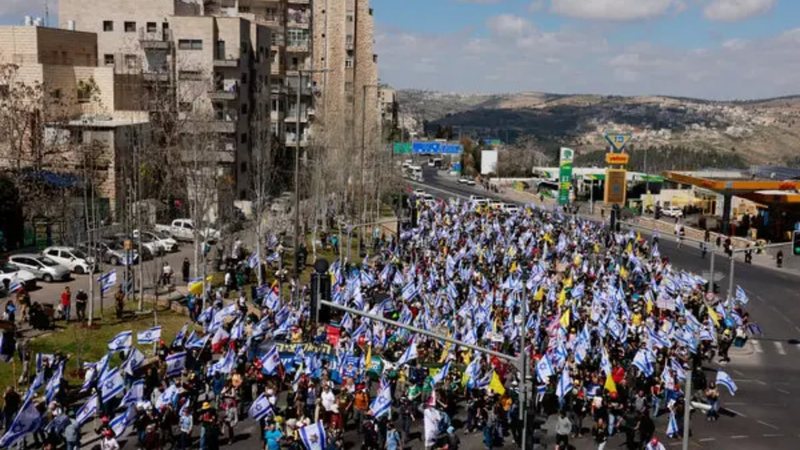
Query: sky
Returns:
{"type": "Point", "coordinates": [713, 49]}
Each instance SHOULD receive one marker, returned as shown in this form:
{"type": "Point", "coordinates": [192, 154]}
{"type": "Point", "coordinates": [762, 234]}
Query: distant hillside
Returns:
{"type": "Point", "coordinates": [757, 132]}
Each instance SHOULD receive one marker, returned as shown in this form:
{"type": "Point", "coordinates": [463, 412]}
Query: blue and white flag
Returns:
{"type": "Point", "coordinates": [544, 370]}
{"type": "Point", "coordinates": [564, 384]}
{"type": "Point", "coordinates": [270, 361]}
{"type": "Point", "coordinates": [122, 420]}
{"type": "Point", "coordinates": [37, 382]}
{"type": "Point", "coordinates": [195, 341]}
{"type": "Point", "coordinates": [149, 336]}
{"type": "Point", "coordinates": [14, 285]}
{"type": "Point", "coordinates": [643, 363]}
{"type": "Point", "coordinates": [113, 385]}
{"type": "Point", "coordinates": [134, 361]}
{"type": "Point", "coordinates": [237, 331]}
{"type": "Point", "coordinates": [672, 425]}
{"type": "Point", "coordinates": [54, 384]}
{"type": "Point", "coordinates": [224, 365]}
{"type": "Point", "coordinates": [27, 421]}
{"type": "Point", "coordinates": [442, 374]}
{"type": "Point", "coordinates": [252, 262]}
{"type": "Point", "coordinates": [382, 403]}
{"type": "Point", "coordinates": [408, 355]}
{"type": "Point", "coordinates": [121, 341]}
{"type": "Point", "coordinates": [260, 408]}
{"type": "Point", "coordinates": [410, 291]}
{"type": "Point", "coordinates": [42, 359]}
{"type": "Point", "coordinates": [723, 379]}
{"type": "Point", "coordinates": [176, 362]}
{"type": "Point", "coordinates": [134, 394]}
{"type": "Point", "coordinates": [178, 340]}
{"type": "Point", "coordinates": [741, 295]}
{"type": "Point", "coordinates": [107, 281]}
{"type": "Point", "coordinates": [167, 397]}
{"type": "Point", "coordinates": [313, 436]}
{"type": "Point", "coordinates": [87, 411]}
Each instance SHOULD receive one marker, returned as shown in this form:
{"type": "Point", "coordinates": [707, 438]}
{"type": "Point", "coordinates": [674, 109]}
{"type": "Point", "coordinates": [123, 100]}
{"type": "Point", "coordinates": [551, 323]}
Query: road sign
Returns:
{"type": "Point", "coordinates": [402, 148]}
{"type": "Point", "coordinates": [566, 157]}
{"type": "Point", "coordinates": [616, 186]}
{"type": "Point", "coordinates": [617, 159]}
{"type": "Point", "coordinates": [618, 140]}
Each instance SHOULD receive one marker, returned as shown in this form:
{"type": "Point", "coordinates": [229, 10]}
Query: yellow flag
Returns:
{"type": "Point", "coordinates": [629, 248]}
{"type": "Point", "coordinates": [562, 297]}
{"type": "Point", "coordinates": [623, 273]}
{"type": "Point", "coordinates": [638, 236]}
{"type": "Point", "coordinates": [496, 385]}
{"type": "Point", "coordinates": [539, 295]}
{"type": "Point", "coordinates": [649, 306]}
{"type": "Point", "coordinates": [610, 385]}
{"type": "Point", "coordinates": [514, 266]}
{"type": "Point", "coordinates": [564, 321]}
{"type": "Point", "coordinates": [714, 316]}
{"type": "Point", "coordinates": [368, 362]}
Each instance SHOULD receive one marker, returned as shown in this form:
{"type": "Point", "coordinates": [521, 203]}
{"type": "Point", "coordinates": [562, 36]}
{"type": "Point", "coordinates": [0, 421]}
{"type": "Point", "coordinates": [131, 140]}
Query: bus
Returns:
{"type": "Point", "coordinates": [413, 173]}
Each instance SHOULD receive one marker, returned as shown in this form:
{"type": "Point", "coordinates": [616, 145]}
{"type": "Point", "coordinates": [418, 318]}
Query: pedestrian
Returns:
{"type": "Point", "coordinates": [119, 302]}
{"type": "Point", "coordinates": [600, 433]}
{"type": "Point", "coordinates": [109, 442]}
{"type": "Point", "coordinates": [712, 398]}
{"type": "Point", "coordinates": [24, 302]}
{"type": "Point", "coordinates": [563, 429]}
{"type": "Point", "coordinates": [66, 303]}
{"type": "Point", "coordinates": [453, 442]}
{"type": "Point", "coordinates": [393, 441]}
{"type": "Point", "coordinates": [654, 444]}
{"type": "Point", "coordinates": [779, 258]}
{"type": "Point", "coordinates": [166, 274]}
{"type": "Point", "coordinates": [80, 304]}
{"type": "Point", "coordinates": [185, 424]}
{"type": "Point", "coordinates": [10, 311]}
{"type": "Point", "coordinates": [11, 403]}
{"type": "Point", "coordinates": [273, 436]}
{"type": "Point", "coordinates": [185, 269]}
{"type": "Point", "coordinates": [72, 433]}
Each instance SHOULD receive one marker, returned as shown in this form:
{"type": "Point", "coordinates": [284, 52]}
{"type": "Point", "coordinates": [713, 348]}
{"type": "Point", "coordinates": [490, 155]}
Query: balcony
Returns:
{"type": "Point", "coordinates": [155, 40]}
{"type": "Point", "coordinates": [155, 76]}
{"type": "Point", "coordinates": [225, 90]}
{"type": "Point", "coordinates": [224, 61]}
{"type": "Point", "coordinates": [292, 141]}
{"type": "Point", "coordinates": [222, 126]}
{"type": "Point", "coordinates": [297, 47]}
{"type": "Point", "coordinates": [298, 2]}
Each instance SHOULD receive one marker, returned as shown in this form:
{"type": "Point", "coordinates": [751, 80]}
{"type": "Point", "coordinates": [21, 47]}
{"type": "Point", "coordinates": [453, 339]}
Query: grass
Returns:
{"type": "Point", "coordinates": [84, 344]}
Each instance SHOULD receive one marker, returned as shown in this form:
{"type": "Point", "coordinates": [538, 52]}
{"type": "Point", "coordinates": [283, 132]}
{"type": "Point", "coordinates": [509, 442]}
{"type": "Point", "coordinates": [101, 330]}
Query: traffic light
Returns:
{"type": "Point", "coordinates": [320, 290]}
{"type": "Point", "coordinates": [796, 242]}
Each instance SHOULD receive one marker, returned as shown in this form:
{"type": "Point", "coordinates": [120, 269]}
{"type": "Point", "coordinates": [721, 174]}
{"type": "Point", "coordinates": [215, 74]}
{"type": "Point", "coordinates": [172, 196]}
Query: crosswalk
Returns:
{"type": "Point", "coordinates": [761, 346]}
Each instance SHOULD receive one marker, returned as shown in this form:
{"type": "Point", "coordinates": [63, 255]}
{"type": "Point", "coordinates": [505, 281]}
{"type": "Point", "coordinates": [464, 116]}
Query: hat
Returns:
{"type": "Point", "coordinates": [206, 405]}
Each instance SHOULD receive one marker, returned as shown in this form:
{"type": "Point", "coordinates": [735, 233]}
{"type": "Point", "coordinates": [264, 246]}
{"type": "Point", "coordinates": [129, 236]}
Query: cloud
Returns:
{"type": "Point", "coordinates": [579, 59]}
{"type": "Point", "coordinates": [613, 10]}
{"type": "Point", "coordinates": [11, 11]}
{"type": "Point", "coordinates": [735, 10]}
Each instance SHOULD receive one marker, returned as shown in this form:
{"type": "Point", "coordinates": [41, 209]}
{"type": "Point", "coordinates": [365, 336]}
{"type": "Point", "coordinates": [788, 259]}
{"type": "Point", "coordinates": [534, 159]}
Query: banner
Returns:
{"type": "Point", "coordinates": [565, 175]}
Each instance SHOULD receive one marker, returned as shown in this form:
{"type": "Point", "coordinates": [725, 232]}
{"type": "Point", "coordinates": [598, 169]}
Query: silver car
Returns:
{"type": "Point", "coordinates": [43, 267]}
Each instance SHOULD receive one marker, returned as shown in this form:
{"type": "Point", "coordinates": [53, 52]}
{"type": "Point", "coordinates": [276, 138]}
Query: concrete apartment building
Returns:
{"type": "Point", "coordinates": [80, 102]}
{"type": "Point", "coordinates": [211, 66]}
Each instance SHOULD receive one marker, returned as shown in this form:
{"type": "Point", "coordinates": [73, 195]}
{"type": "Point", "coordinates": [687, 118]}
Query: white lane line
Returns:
{"type": "Point", "coordinates": [738, 436]}
{"type": "Point", "coordinates": [735, 412]}
{"type": "Point", "coordinates": [710, 439]}
{"type": "Point", "coordinates": [760, 382]}
{"type": "Point", "coordinates": [783, 391]}
{"type": "Point", "coordinates": [779, 347]}
{"type": "Point", "coordinates": [736, 403]}
{"type": "Point", "coordinates": [738, 372]}
{"type": "Point", "coordinates": [757, 346]}
{"type": "Point", "coordinates": [771, 435]}
{"type": "Point", "coordinates": [767, 424]}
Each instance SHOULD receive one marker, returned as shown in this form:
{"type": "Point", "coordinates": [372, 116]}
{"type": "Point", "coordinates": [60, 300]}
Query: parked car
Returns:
{"type": "Point", "coordinates": [672, 211]}
{"type": "Point", "coordinates": [183, 230]}
{"type": "Point", "coordinates": [71, 257]}
{"type": "Point", "coordinates": [150, 249]}
{"type": "Point", "coordinates": [162, 238]}
{"type": "Point", "coordinates": [43, 267]}
{"type": "Point", "coordinates": [112, 252]}
{"type": "Point", "coordinates": [10, 272]}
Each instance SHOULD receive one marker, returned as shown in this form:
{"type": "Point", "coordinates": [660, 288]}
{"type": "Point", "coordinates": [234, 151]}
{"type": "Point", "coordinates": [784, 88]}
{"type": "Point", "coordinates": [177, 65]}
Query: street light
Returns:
{"type": "Point", "coordinates": [300, 73]}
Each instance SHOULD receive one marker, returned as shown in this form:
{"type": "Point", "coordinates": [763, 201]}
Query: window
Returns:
{"type": "Point", "coordinates": [244, 109]}
{"type": "Point", "coordinates": [244, 78]}
{"type": "Point", "coordinates": [108, 25]}
{"type": "Point", "coordinates": [190, 44]}
{"type": "Point", "coordinates": [108, 59]}
{"type": "Point", "coordinates": [296, 37]}
{"type": "Point", "coordinates": [56, 94]}
{"type": "Point", "coordinates": [131, 61]}
{"type": "Point", "coordinates": [130, 27]}
{"type": "Point", "coordinates": [243, 167]}
{"type": "Point", "coordinates": [152, 27]}
{"type": "Point", "coordinates": [349, 17]}
{"type": "Point", "coordinates": [243, 138]}
{"type": "Point", "coordinates": [185, 106]}
{"type": "Point", "coordinates": [348, 63]}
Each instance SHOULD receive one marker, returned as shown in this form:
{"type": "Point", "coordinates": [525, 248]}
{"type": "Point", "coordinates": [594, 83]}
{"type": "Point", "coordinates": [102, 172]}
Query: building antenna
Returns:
{"type": "Point", "coordinates": [46, 14]}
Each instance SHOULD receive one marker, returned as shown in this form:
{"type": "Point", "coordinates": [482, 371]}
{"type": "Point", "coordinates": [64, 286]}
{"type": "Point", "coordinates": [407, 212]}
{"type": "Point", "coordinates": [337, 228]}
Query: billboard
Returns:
{"type": "Point", "coordinates": [616, 186]}
{"type": "Point", "coordinates": [566, 157]}
{"type": "Point", "coordinates": [617, 159]}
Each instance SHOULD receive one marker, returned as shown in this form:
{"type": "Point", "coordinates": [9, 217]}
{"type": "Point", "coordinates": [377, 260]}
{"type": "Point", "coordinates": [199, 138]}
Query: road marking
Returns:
{"type": "Point", "coordinates": [735, 412]}
{"type": "Point", "coordinates": [769, 435]}
{"type": "Point", "coordinates": [783, 391]}
{"type": "Point", "coordinates": [738, 372]}
{"type": "Point", "coordinates": [710, 439]}
{"type": "Point", "coordinates": [757, 346]}
{"type": "Point", "coordinates": [738, 436]}
{"type": "Point", "coordinates": [768, 424]}
{"type": "Point", "coordinates": [779, 347]}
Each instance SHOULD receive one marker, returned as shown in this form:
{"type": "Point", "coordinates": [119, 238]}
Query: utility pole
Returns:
{"type": "Point", "coordinates": [687, 405]}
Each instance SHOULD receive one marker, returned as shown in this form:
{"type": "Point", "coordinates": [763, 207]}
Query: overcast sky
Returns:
{"type": "Point", "coordinates": [717, 49]}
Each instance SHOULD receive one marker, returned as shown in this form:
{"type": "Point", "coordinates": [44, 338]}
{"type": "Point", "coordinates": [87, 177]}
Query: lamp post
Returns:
{"type": "Point", "coordinates": [300, 73]}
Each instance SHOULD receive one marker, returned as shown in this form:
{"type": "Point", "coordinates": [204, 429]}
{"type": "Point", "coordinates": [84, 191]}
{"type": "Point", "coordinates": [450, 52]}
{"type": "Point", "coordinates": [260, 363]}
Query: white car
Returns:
{"type": "Point", "coordinates": [183, 230]}
{"type": "Point", "coordinates": [511, 208]}
{"type": "Point", "coordinates": [463, 180]}
{"type": "Point", "coordinates": [43, 267]}
{"type": "Point", "coordinates": [163, 239]}
{"type": "Point", "coordinates": [70, 257]}
{"type": "Point", "coordinates": [672, 211]}
{"type": "Point", "coordinates": [9, 272]}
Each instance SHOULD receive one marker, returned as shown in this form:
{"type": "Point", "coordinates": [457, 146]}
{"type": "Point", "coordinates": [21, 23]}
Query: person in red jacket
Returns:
{"type": "Point", "coordinates": [66, 302]}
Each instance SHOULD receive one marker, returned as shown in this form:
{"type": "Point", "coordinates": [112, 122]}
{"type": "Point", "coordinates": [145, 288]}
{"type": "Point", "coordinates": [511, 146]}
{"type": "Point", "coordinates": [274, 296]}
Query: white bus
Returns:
{"type": "Point", "coordinates": [413, 173]}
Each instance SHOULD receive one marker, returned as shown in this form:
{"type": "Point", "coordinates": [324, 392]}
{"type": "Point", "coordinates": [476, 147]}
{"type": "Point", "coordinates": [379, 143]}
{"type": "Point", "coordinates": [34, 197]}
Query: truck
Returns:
{"type": "Point", "coordinates": [183, 230]}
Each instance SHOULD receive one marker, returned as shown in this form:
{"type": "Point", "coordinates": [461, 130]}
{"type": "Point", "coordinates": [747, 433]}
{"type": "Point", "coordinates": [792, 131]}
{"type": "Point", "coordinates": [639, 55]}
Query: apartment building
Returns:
{"type": "Point", "coordinates": [80, 101]}
{"type": "Point", "coordinates": [389, 110]}
{"type": "Point", "coordinates": [343, 44]}
{"type": "Point", "coordinates": [211, 65]}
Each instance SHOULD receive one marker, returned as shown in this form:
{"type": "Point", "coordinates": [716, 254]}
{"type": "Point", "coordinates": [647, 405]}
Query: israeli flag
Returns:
{"type": "Point", "coordinates": [260, 408]}
{"type": "Point", "coordinates": [741, 295]}
{"type": "Point", "coordinates": [54, 384]}
{"type": "Point", "coordinates": [672, 425]}
{"type": "Point", "coordinates": [408, 355]}
{"type": "Point", "coordinates": [178, 341]}
{"type": "Point", "coordinates": [113, 385]}
{"type": "Point", "coordinates": [121, 422]}
{"type": "Point", "coordinates": [382, 404]}
{"type": "Point", "coordinates": [643, 363]}
{"type": "Point", "coordinates": [544, 370]}
{"type": "Point", "coordinates": [410, 291]}
{"type": "Point", "coordinates": [134, 394]}
{"type": "Point", "coordinates": [237, 331]}
{"type": "Point", "coordinates": [14, 285]}
{"type": "Point", "coordinates": [149, 336]}
{"type": "Point", "coordinates": [37, 382]}
{"type": "Point", "coordinates": [167, 397]}
{"type": "Point", "coordinates": [252, 262]}
{"type": "Point", "coordinates": [134, 361]}
{"type": "Point", "coordinates": [27, 421]}
{"type": "Point", "coordinates": [723, 379]}
{"type": "Point", "coordinates": [564, 384]}
{"type": "Point", "coordinates": [313, 436]}
{"type": "Point", "coordinates": [122, 341]}
{"type": "Point", "coordinates": [107, 281]}
{"type": "Point", "coordinates": [42, 358]}
{"type": "Point", "coordinates": [224, 365]}
{"type": "Point", "coordinates": [270, 361]}
{"type": "Point", "coordinates": [89, 376]}
{"type": "Point", "coordinates": [176, 362]}
{"type": "Point", "coordinates": [442, 374]}
{"type": "Point", "coordinates": [87, 411]}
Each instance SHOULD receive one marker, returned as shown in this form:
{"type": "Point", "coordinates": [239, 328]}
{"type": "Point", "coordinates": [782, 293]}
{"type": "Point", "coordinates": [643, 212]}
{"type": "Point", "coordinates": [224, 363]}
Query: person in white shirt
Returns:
{"type": "Point", "coordinates": [329, 402]}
